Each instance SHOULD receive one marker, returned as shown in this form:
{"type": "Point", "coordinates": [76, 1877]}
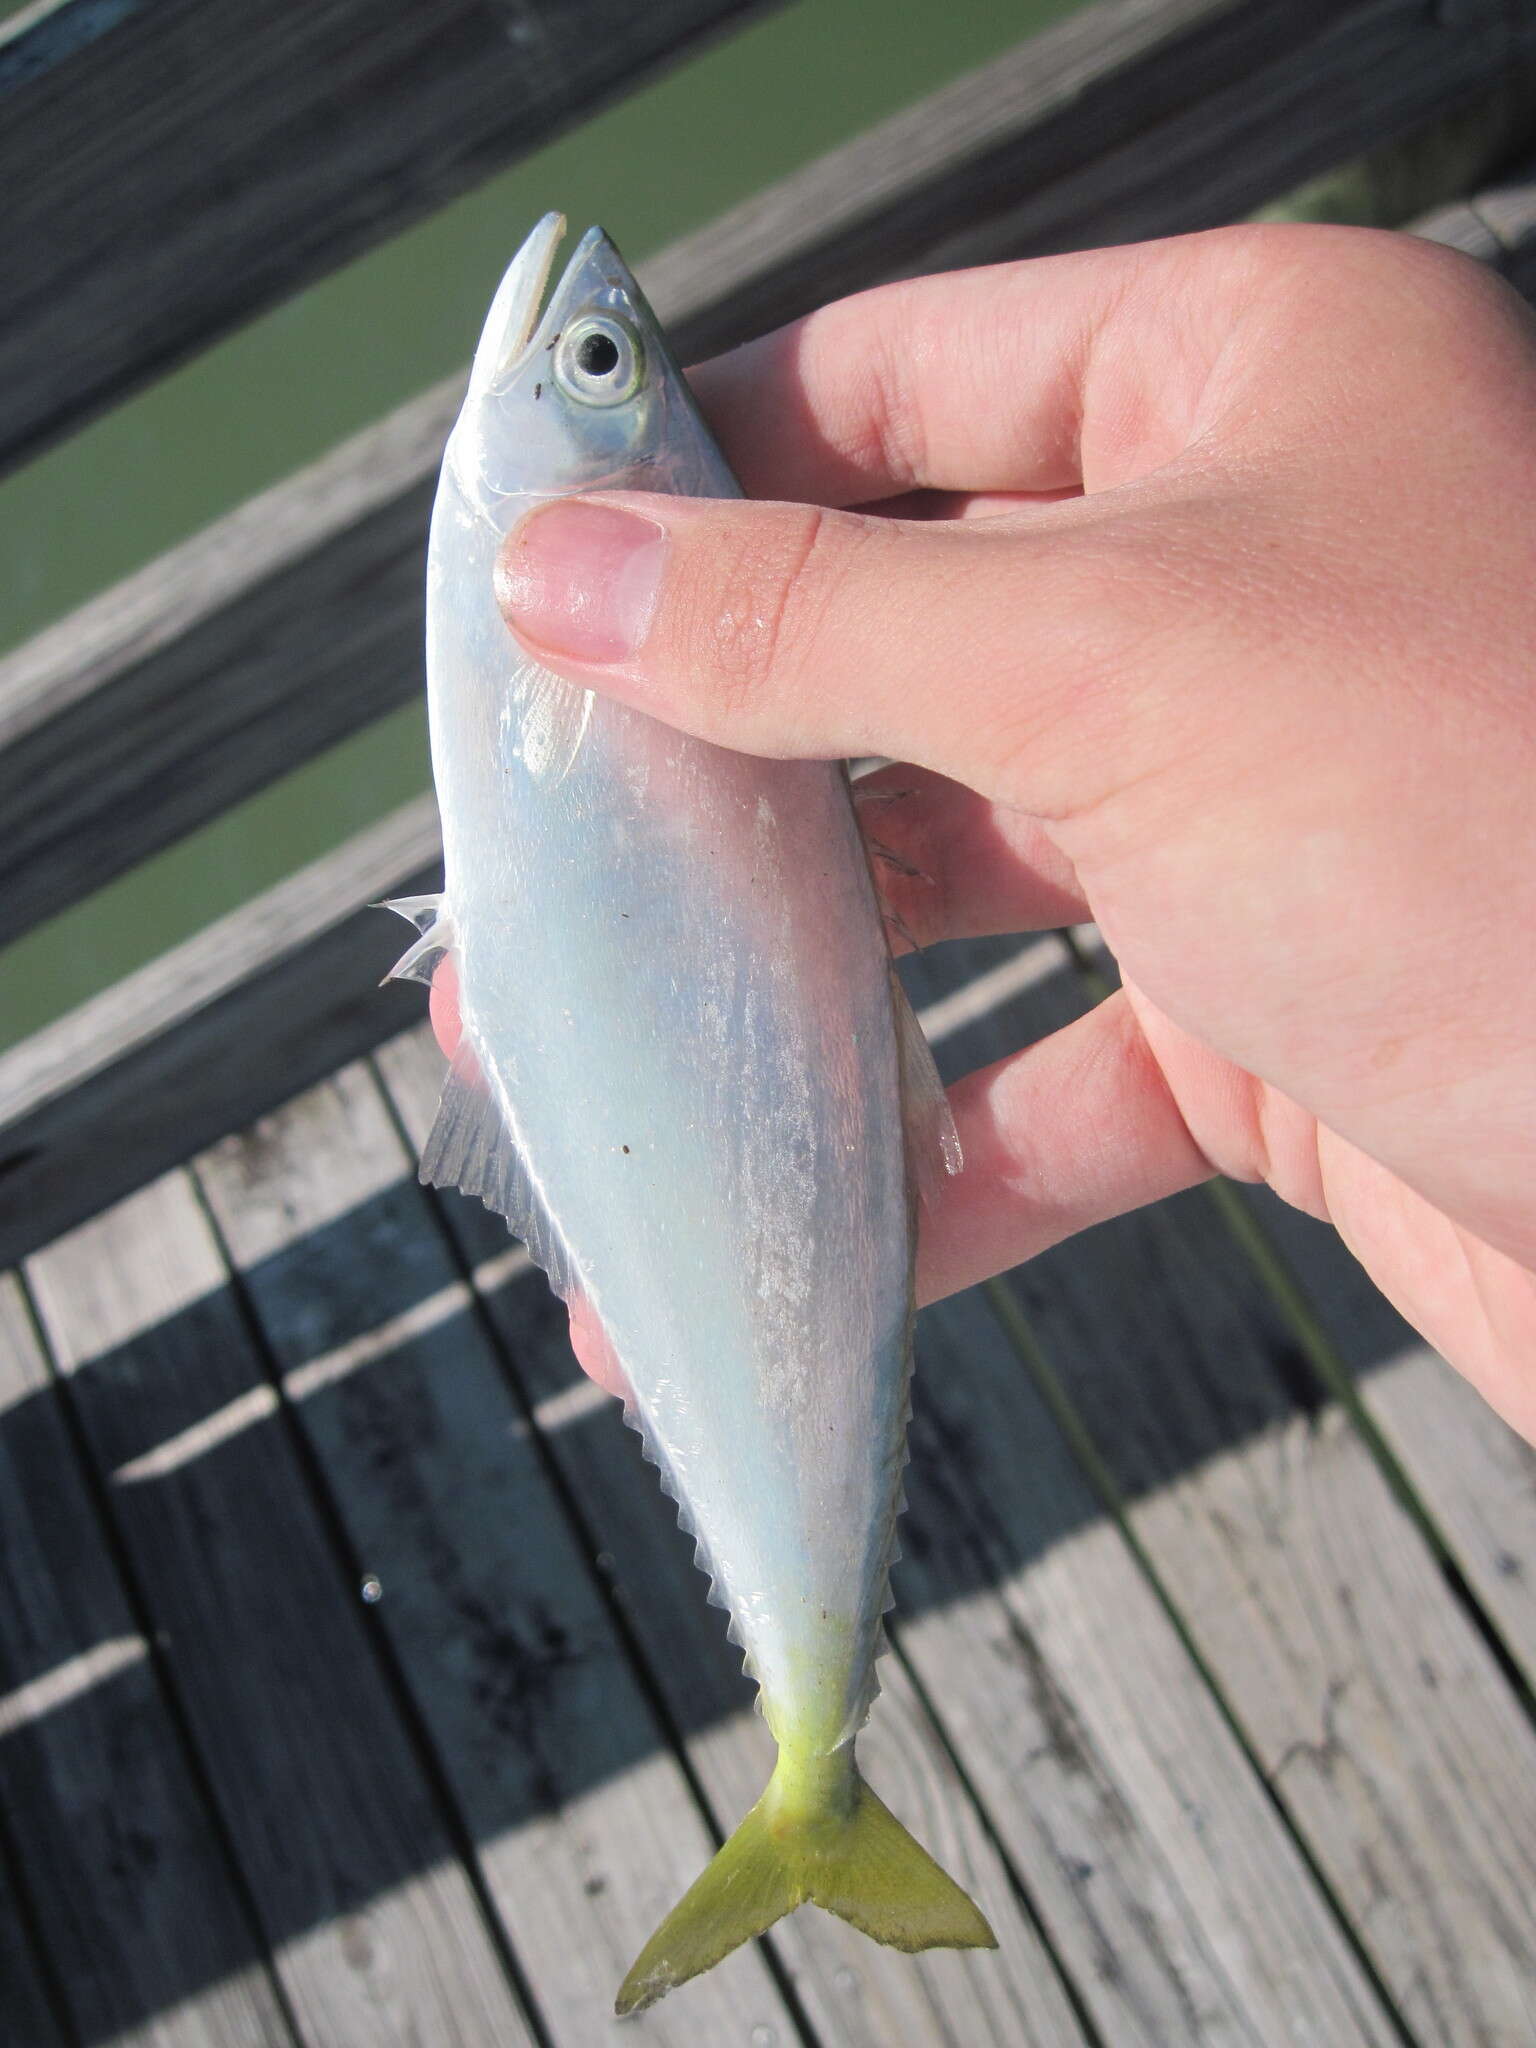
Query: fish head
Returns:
{"type": "Point", "coordinates": [575, 391]}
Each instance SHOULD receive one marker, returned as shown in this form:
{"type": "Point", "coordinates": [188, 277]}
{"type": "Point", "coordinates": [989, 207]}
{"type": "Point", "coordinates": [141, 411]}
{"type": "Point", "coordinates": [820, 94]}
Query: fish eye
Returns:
{"type": "Point", "coordinates": [598, 360]}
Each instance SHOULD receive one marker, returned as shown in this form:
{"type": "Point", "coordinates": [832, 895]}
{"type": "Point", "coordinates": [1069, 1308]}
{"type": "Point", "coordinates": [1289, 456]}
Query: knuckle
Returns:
{"type": "Point", "coordinates": [863, 353]}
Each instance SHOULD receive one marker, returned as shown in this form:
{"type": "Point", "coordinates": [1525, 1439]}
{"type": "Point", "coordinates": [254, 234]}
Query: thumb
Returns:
{"type": "Point", "coordinates": [789, 630]}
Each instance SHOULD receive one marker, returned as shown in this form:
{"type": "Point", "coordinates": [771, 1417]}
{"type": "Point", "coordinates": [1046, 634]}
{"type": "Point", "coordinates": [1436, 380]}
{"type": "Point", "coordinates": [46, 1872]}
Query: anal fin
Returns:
{"type": "Point", "coordinates": [470, 1147]}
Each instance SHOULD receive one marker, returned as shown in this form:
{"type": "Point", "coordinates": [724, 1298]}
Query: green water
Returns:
{"type": "Point", "coordinates": [293, 383]}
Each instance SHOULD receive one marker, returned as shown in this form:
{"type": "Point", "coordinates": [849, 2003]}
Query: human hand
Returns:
{"type": "Point", "coordinates": [1209, 614]}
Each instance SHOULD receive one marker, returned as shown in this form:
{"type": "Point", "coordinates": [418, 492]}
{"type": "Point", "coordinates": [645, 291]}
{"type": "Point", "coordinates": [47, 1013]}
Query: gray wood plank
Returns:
{"type": "Point", "coordinates": [135, 1899]}
{"type": "Point", "coordinates": [172, 166]}
{"type": "Point", "coordinates": [1159, 1863]}
{"type": "Point", "coordinates": [1498, 227]}
{"type": "Point", "coordinates": [1123, 121]}
{"type": "Point", "coordinates": [25, 2012]}
{"type": "Point", "coordinates": [1382, 1722]}
{"type": "Point", "coordinates": [1475, 1478]}
{"type": "Point", "coordinates": [583, 1823]}
{"type": "Point", "coordinates": [205, 1038]}
{"type": "Point", "coordinates": [284, 627]}
{"type": "Point", "coordinates": [855, 1995]}
{"type": "Point", "coordinates": [370, 1919]}
{"type": "Point", "coordinates": [1193, 1929]}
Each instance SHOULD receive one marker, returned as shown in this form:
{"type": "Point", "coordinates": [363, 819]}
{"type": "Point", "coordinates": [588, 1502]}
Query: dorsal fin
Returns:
{"type": "Point", "coordinates": [933, 1143]}
{"type": "Point", "coordinates": [419, 961]}
{"type": "Point", "coordinates": [470, 1147]}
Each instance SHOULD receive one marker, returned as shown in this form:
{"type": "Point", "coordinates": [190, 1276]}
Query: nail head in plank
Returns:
{"type": "Point", "coordinates": [585, 1828]}
{"type": "Point", "coordinates": [1371, 1703]}
{"type": "Point", "coordinates": [134, 1898]}
{"type": "Point", "coordinates": [371, 1922]}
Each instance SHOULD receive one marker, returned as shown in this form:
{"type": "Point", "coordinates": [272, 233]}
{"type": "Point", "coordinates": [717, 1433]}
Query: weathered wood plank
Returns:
{"type": "Point", "coordinates": [853, 1995]}
{"type": "Point", "coordinates": [1498, 227]}
{"type": "Point", "coordinates": [1376, 1711]}
{"type": "Point", "coordinates": [25, 2013]}
{"type": "Point", "coordinates": [265, 146]}
{"type": "Point", "coordinates": [205, 1038]}
{"type": "Point", "coordinates": [284, 627]}
{"type": "Point", "coordinates": [584, 1825]}
{"type": "Point", "coordinates": [371, 1922]}
{"type": "Point", "coordinates": [233, 658]}
{"type": "Point", "coordinates": [1158, 1863]}
{"type": "Point", "coordinates": [1474, 1476]}
{"type": "Point", "coordinates": [136, 1901]}
{"type": "Point", "coordinates": [1140, 1943]}
{"type": "Point", "coordinates": [1121, 122]}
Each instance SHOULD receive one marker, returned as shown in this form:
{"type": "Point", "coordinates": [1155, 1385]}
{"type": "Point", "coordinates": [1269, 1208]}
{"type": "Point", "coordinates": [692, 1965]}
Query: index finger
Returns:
{"type": "Point", "coordinates": [974, 380]}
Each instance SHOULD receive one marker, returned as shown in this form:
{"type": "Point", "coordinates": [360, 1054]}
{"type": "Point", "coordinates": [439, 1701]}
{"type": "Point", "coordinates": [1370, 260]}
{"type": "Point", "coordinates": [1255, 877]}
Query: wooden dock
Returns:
{"type": "Point", "coordinates": [357, 1689]}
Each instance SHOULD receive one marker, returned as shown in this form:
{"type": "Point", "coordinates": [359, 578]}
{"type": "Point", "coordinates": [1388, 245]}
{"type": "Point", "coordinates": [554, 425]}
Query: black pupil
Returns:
{"type": "Point", "coordinates": [597, 355]}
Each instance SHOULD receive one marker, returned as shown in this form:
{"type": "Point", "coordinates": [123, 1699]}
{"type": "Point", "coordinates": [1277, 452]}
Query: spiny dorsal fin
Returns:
{"type": "Point", "coordinates": [419, 961]}
{"type": "Point", "coordinates": [469, 1147]}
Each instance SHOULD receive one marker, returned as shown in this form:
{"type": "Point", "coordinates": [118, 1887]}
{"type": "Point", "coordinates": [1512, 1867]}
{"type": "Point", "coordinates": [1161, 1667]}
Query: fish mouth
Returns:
{"type": "Point", "coordinates": [512, 323]}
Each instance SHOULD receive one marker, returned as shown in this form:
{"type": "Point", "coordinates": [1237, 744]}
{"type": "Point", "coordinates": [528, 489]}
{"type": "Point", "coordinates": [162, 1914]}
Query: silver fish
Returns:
{"type": "Point", "coordinates": [690, 1082]}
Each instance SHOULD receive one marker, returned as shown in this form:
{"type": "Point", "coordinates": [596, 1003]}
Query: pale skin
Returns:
{"type": "Point", "coordinates": [1196, 582]}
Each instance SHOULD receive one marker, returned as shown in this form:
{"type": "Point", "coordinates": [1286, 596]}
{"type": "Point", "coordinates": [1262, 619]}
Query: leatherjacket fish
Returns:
{"type": "Point", "coordinates": [690, 1082]}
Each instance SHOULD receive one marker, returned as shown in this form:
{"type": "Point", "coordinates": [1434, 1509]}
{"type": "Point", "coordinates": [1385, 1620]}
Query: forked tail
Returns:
{"type": "Point", "coordinates": [818, 1835]}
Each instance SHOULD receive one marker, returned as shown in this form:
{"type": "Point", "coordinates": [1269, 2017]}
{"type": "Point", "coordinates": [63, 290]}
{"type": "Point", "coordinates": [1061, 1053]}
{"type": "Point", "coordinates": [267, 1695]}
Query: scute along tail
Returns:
{"type": "Point", "coordinates": [842, 1849]}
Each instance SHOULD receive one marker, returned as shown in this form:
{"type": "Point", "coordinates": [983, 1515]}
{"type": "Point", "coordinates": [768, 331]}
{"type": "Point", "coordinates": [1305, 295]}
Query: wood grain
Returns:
{"type": "Point", "coordinates": [1159, 1865]}
{"type": "Point", "coordinates": [584, 1826]}
{"type": "Point", "coordinates": [1498, 227]}
{"type": "Point", "coordinates": [1089, 1829]}
{"type": "Point", "coordinates": [25, 2012]}
{"type": "Point", "coordinates": [1474, 1477]}
{"type": "Point", "coordinates": [853, 1994]}
{"type": "Point", "coordinates": [1382, 1722]}
{"type": "Point", "coordinates": [141, 1913]}
{"type": "Point", "coordinates": [368, 1914]}
{"type": "Point", "coordinates": [173, 166]}
{"type": "Point", "coordinates": [284, 627]}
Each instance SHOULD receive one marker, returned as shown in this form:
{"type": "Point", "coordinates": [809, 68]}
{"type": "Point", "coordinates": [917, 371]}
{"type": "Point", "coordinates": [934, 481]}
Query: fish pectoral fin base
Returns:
{"type": "Point", "coordinates": [820, 1839]}
{"type": "Point", "coordinates": [470, 1148]}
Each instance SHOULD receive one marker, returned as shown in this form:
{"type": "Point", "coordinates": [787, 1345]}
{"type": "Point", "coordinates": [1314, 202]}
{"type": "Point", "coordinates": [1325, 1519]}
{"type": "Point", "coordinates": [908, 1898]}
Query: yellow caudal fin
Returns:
{"type": "Point", "coordinates": [818, 1835]}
